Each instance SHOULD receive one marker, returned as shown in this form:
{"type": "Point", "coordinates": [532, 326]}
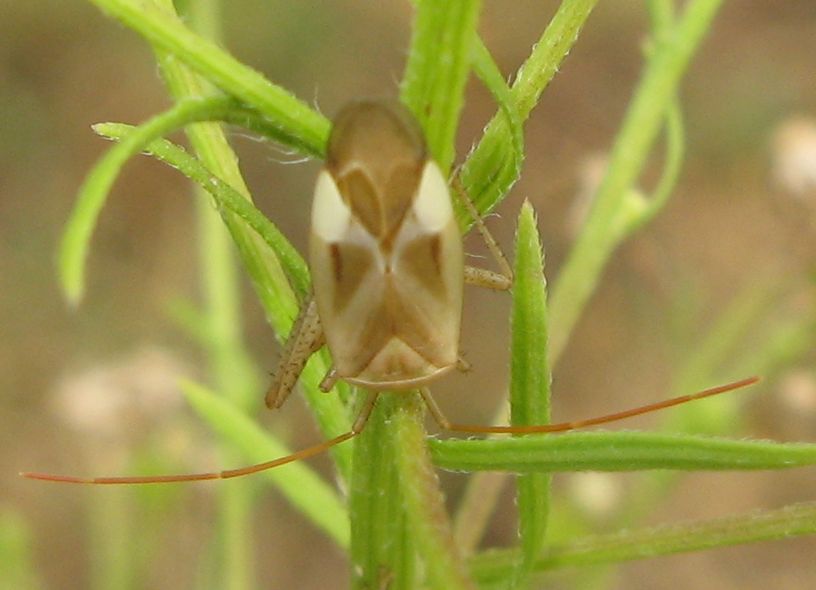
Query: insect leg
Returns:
{"type": "Point", "coordinates": [446, 424]}
{"type": "Point", "coordinates": [481, 277]}
{"type": "Point", "coordinates": [500, 281]}
{"type": "Point", "coordinates": [305, 339]}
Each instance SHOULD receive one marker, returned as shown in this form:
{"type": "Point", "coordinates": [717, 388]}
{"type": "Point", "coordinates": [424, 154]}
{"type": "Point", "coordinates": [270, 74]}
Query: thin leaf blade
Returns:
{"type": "Point", "coordinates": [302, 486]}
{"type": "Point", "coordinates": [438, 65]}
{"type": "Point", "coordinates": [760, 525]}
{"type": "Point", "coordinates": [618, 451]}
{"type": "Point", "coordinates": [75, 242]}
{"type": "Point", "coordinates": [294, 117]}
{"type": "Point", "coordinates": [488, 173]}
{"type": "Point", "coordinates": [530, 379]}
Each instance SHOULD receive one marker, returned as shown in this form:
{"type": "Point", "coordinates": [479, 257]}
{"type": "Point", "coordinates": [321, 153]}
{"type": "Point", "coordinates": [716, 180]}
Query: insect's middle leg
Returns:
{"type": "Point", "coordinates": [481, 277]}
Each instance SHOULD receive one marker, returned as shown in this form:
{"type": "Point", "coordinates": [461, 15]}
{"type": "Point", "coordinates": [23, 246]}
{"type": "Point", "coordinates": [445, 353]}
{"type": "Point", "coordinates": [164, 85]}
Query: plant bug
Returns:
{"type": "Point", "coordinates": [388, 274]}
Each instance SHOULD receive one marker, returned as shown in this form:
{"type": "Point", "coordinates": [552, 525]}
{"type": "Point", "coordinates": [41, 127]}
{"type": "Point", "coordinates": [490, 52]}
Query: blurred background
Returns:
{"type": "Point", "coordinates": [94, 390]}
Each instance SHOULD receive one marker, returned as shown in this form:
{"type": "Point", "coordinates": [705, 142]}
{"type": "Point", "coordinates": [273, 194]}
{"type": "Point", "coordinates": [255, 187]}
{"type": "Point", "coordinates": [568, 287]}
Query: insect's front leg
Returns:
{"type": "Point", "coordinates": [481, 277]}
{"type": "Point", "coordinates": [305, 339]}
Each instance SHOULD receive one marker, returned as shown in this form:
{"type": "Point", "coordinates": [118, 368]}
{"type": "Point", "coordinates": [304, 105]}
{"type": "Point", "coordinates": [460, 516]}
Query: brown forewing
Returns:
{"type": "Point", "coordinates": [408, 304]}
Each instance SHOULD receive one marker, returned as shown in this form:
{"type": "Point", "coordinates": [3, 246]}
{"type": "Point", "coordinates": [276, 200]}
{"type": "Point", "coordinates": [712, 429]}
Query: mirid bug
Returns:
{"type": "Point", "coordinates": [388, 275]}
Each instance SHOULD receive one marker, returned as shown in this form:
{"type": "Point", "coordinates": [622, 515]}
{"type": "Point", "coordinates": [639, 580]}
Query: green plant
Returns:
{"type": "Point", "coordinates": [394, 518]}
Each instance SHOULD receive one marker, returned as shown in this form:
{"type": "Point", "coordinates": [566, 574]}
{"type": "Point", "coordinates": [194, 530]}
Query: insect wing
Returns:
{"type": "Point", "coordinates": [390, 308]}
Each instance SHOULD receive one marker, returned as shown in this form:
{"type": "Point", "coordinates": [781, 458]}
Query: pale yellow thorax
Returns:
{"type": "Point", "coordinates": [385, 252]}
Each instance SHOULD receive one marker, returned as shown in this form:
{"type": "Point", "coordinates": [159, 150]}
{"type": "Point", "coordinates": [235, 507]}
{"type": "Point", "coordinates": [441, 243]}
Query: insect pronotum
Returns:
{"type": "Point", "coordinates": [388, 274]}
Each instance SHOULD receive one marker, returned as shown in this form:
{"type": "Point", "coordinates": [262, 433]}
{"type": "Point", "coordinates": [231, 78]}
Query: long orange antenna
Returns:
{"type": "Point", "coordinates": [360, 422]}
{"type": "Point", "coordinates": [356, 428]}
{"type": "Point", "coordinates": [227, 474]}
{"type": "Point", "coordinates": [565, 426]}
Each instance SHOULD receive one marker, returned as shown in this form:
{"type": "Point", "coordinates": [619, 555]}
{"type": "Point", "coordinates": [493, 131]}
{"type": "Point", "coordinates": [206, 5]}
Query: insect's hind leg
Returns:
{"type": "Point", "coordinates": [305, 339]}
{"type": "Point", "coordinates": [481, 277]}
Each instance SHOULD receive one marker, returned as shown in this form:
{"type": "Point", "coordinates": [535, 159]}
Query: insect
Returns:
{"type": "Point", "coordinates": [388, 275]}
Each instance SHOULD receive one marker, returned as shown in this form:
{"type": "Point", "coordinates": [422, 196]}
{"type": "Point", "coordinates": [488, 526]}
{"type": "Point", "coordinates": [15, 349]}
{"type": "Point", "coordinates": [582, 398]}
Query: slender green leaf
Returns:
{"type": "Point", "coordinates": [293, 117]}
{"type": "Point", "coordinates": [210, 145]}
{"type": "Point", "coordinates": [762, 525]}
{"type": "Point", "coordinates": [75, 242]}
{"type": "Point", "coordinates": [304, 489]}
{"type": "Point", "coordinates": [675, 152]}
{"type": "Point", "coordinates": [474, 512]}
{"type": "Point", "coordinates": [637, 210]}
{"type": "Point", "coordinates": [225, 196]}
{"type": "Point", "coordinates": [488, 72]}
{"type": "Point", "coordinates": [232, 371]}
{"type": "Point", "coordinates": [489, 171]}
{"type": "Point", "coordinates": [530, 379]}
{"type": "Point", "coordinates": [262, 265]}
{"type": "Point", "coordinates": [328, 409]}
{"type": "Point", "coordinates": [513, 153]}
{"type": "Point", "coordinates": [601, 232]}
{"type": "Point", "coordinates": [438, 64]}
{"type": "Point", "coordinates": [719, 415]}
{"type": "Point", "coordinates": [618, 451]}
{"type": "Point", "coordinates": [661, 13]}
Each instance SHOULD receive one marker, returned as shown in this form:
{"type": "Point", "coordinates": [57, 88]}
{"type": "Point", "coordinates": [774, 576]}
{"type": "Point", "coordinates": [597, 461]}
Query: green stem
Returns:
{"type": "Point", "coordinates": [641, 125]}
{"type": "Point", "coordinates": [381, 551]}
{"type": "Point", "coordinates": [225, 197]}
{"type": "Point", "coordinates": [488, 173]}
{"type": "Point", "coordinates": [297, 482]}
{"type": "Point", "coordinates": [438, 65]}
{"type": "Point", "coordinates": [230, 366]}
{"type": "Point", "coordinates": [204, 57]}
{"type": "Point", "coordinates": [329, 409]}
{"type": "Point", "coordinates": [784, 523]}
{"type": "Point", "coordinates": [75, 242]}
{"type": "Point", "coordinates": [397, 509]}
{"type": "Point", "coordinates": [423, 501]}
